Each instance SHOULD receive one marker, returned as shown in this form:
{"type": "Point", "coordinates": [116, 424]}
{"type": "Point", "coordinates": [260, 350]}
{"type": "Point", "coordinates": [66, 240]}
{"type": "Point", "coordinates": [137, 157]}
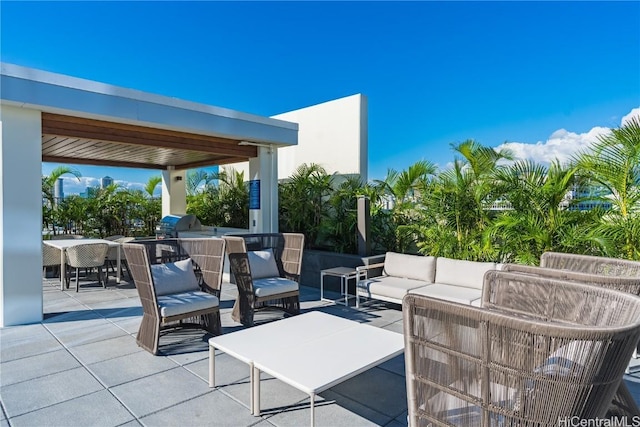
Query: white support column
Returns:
{"type": "Point", "coordinates": [20, 216]}
{"type": "Point", "coordinates": [264, 170]}
{"type": "Point", "coordinates": [174, 192]}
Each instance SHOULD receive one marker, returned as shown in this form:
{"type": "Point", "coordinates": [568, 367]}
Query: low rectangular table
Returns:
{"type": "Point", "coordinates": [311, 352]}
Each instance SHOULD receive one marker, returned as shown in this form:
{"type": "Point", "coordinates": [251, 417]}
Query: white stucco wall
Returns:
{"type": "Point", "coordinates": [333, 134]}
{"type": "Point", "coordinates": [20, 216]}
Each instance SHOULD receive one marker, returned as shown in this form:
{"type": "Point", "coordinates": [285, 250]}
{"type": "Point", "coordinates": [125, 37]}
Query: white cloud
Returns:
{"type": "Point", "coordinates": [73, 185]}
{"type": "Point", "coordinates": [561, 144]}
{"type": "Point", "coordinates": [634, 113]}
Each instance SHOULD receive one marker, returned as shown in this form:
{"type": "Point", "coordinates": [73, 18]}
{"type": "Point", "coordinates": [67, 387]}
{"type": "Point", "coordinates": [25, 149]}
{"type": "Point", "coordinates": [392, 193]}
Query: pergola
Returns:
{"type": "Point", "coordinates": [55, 118]}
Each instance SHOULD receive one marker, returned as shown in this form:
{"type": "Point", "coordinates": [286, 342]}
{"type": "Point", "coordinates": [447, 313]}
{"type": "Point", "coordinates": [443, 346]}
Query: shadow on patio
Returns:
{"type": "Point", "coordinates": [81, 366]}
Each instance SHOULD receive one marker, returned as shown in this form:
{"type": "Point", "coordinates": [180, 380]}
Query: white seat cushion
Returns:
{"type": "Point", "coordinates": [263, 264]}
{"type": "Point", "coordinates": [449, 293]}
{"type": "Point", "coordinates": [388, 286]}
{"type": "Point", "coordinates": [570, 359]}
{"type": "Point", "coordinates": [416, 267]}
{"type": "Point", "coordinates": [273, 285]}
{"type": "Point", "coordinates": [176, 304]}
{"type": "Point", "coordinates": [462, 273]}
{"type": "Point", "coordinates": [174, 277]}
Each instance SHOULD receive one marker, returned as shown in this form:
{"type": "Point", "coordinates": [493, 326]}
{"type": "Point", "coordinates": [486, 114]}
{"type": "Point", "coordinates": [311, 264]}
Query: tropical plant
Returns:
{"type": "Point", "coordinates": [338, 229]}
{"type": "Point", "coordinates": [614, 163]}
{"type": "Point", "coordinates": [304, 201]}
{"type": "Point", "coordinates": [402, 190]}
{"type": "Point", "coordinates": [196, 178]}
{"type": "Point", "coordinates": [540, 218]}
{"type": "Point", "coordinates": [49, 205]}
{"type": "Point", "coordinates": [455, 205]}
{"type": "Point", "coordinates": [223, 201]}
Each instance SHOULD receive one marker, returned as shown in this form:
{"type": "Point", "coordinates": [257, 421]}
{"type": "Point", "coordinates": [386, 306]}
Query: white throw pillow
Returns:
{"type": "Point", "coordinates": [263, 264]}
{"type": "Point", "coordinates": [416, 267]}
{"type": "Point", "coordinates": [174, 277]}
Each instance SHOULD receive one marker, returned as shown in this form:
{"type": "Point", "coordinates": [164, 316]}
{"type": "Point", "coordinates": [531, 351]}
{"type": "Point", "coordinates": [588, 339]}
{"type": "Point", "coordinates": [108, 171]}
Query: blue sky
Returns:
{"type": "Point", "coordinates": [434, 73]}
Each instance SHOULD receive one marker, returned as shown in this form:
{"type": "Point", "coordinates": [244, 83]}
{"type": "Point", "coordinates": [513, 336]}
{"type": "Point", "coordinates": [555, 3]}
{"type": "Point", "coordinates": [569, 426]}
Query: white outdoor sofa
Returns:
{"type": "Point", "coordinates": [437, 277]}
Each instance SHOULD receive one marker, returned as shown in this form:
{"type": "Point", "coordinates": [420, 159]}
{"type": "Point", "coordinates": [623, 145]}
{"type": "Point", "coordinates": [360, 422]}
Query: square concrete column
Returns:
{"type": "Point", "coordinates": [263, 191]}
{"type": "Point", "coordinates": [174, 192]}
{"type": "Point", "coordinates": [20, 216]}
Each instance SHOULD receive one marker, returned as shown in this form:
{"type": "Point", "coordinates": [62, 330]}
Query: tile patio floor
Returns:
{"type": "Point", "coordinates": [82, 367]}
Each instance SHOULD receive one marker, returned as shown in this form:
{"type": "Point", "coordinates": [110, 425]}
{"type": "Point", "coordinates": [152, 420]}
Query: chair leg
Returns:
{"type": "Point", "coordinates": [211, 323]}
{"type": "Point", "coordinates": [149, 334]}
{"type": "Point", "coordinates": [291, 305]}
{"type": "Point", "coordinates": [243, 309]}
{"type": "Point", "coordinates": [103, 279]}
{"type": "Point", "coordinates": [77, 279]}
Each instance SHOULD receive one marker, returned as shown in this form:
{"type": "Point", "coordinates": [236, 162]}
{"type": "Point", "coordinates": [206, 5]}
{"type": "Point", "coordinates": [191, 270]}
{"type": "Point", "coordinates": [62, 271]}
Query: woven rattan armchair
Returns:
{"type": "Point", "coordinates": [279, 290]}
{"type": "Point", "coordinates": [164, 311]}
{"type": "Point", "coordinates": [87, 256]}
{"type": "Point", "coordinates": [623, 403]}
{"type": "Point", "coordinates": [539, 351]}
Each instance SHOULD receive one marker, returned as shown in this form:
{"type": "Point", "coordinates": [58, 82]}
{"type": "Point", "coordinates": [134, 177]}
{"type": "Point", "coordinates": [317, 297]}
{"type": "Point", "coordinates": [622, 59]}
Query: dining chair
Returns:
{"type": "Point", "coordinates": [50, 258]}
{"type": "Point", "coordinates": [90, 255]}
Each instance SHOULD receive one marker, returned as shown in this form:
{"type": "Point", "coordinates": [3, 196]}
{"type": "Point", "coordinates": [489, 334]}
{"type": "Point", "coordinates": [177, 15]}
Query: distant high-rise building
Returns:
{"type": "Point", "coordinates": [106, 181]}
{"type": "Point", "coordinates": [58, 190]}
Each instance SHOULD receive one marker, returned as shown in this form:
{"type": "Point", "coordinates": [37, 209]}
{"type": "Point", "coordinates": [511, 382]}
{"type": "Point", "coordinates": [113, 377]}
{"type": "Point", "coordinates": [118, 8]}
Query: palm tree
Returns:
{"type": "Point", "coordinates": [540, 219]}
{"type": "Point", "coordinates": [338, 229]}
{"type": "Point", "coordinates": [404, 185]}
{"type": "Point", "coordinates": [196, 177]}
{"type": "Point", "coordinates": [456, 204]}
{"type": "Point", "coordinates": [304, 201]}
{"type": "Point", "coordinates": [233, 197]}
{"type": "Point", "coordinates": [614, 163]}
{"type": "Point", "coordinates": [48, 194]}
{"type": "Point", "coordinates": [151, 185]}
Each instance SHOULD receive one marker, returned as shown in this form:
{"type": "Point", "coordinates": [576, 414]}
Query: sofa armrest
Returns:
{"type": "Point", "coordinates": [365, 270]}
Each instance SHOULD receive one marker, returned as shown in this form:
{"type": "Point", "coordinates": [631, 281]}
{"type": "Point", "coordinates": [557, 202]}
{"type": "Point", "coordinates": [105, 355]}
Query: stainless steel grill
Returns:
{"type": "Point", "coordinates": [171, 225]}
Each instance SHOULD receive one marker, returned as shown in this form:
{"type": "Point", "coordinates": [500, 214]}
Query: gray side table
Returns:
{"type": "Point", "coordinates": [345, 274]}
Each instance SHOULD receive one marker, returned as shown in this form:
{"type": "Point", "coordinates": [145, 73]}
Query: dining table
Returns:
{"type": "Point", "coordinates": [63, 244]}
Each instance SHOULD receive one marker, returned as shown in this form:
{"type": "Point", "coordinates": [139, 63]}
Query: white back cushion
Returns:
{"type": "Point", "coordinates": [263, 264]}
{"type": "Point", "coordinates": [174, 277]}
{"type": "Point", "coordinates": [458, 272]}
{"type": "Point", "coordinates": [415, 267]}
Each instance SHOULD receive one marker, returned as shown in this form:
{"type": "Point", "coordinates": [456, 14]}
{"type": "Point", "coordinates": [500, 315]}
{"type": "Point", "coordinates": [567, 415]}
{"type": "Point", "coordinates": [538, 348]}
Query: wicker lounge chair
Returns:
{"type": "Point", "coordinates": [169, 299]}
{"type": "Point", "coordinates": [540, 350]}
{"type": "Point", "coordinates": [273, 281]}
{"type": "Point", "coordinates": [88, 256]}
{"type": "Point", "coordinates": [623, 403]}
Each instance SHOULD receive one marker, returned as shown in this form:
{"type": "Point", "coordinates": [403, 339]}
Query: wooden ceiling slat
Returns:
{"type": "Point", "coordinates": [62, 143]}
{"type": "Point", "coordinates": [78, 140]}
{"type": "Point", "coordinates": [143, 136]}
{"type": "Point", "coordinates": [101, 163]}
{"type": "Point", "coordinates": [50, 118]}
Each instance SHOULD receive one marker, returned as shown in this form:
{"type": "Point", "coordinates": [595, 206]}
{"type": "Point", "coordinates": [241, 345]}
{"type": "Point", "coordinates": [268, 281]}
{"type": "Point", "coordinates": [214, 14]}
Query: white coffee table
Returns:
{"type": "Point", "coordinates": [311, 352]}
